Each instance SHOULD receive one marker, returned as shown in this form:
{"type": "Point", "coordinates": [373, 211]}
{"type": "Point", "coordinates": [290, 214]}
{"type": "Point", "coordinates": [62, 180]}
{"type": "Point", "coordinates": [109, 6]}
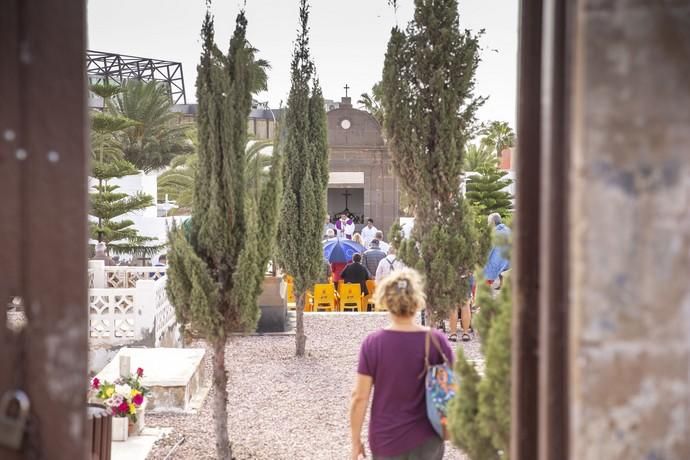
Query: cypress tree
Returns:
{"type": "Point", "coordinates": [486, 191]}
{"type": "Point", "coordinates": [494, 389]}
{"type": "Point", "coordinates": [463, 412]}
{"type": "Point", "coordinates": [428, 84]}
{"type": "Point", "coordinates": [217, 263]}
{"type": "Point", "coordinates": [479, 415]}
{"type": "Point", "coordinates": [305, 175]}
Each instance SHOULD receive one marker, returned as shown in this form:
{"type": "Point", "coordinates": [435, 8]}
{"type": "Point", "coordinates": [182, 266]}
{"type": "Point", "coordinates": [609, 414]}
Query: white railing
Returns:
{"type": "Point", "coordinates": [121, 277]}
{"type": "Point", "coordinates": [164, 311]}
{"type": "Point", "coordinates": [127, 277]}
{"type": "Point", "coordinates": [112, 315]}
{"type": "Point", "coordinates": [139, 310]}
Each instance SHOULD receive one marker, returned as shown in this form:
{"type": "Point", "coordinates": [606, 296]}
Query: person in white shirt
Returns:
{"type": "Point", "coordinates": [382, 244]}
{"type": "Point", "coordinates": [328, 225]}
{"type": "Point", "coordinates": [330, 235]}
{"type": "Point", "coordinates": [369, 232]}
{"type": "Point", "coordinates": [388, 264]}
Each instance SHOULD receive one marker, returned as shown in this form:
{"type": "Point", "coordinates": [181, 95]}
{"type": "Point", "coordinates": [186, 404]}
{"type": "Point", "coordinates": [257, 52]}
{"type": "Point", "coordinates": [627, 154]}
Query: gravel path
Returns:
{"type": "Point", "coordinates": [281, 407]}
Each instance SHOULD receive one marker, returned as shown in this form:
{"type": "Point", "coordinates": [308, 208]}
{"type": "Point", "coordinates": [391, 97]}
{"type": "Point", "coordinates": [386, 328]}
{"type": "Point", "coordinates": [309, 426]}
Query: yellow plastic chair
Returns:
{"type": "Point", "coordinates": [308, 301]}
{"type": "Point", "coordinates": [351, 297]}
{"type": "Point", "coordinates": [369, 299]}
{"type": "Point", "coordinates": [324, 297]}
{"type": "Point", "coordinates": [338, 304]}
{"type": "Point", "coordinates": [291, 301]}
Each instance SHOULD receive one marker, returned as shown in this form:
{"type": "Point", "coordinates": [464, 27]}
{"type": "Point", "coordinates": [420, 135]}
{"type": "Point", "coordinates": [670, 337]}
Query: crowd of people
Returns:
{"type": "Point", "coordinates": [375, 261]}
{"type": "Point", "coordinates": [378, 260]}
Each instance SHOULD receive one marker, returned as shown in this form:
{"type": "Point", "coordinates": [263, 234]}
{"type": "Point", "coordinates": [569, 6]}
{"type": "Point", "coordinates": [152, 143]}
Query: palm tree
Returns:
{"type": "Point", "coordinates": [178, 181]}
{"type": "Point", "coordinates": [372, 103]}
{"type": "Point", "coordinates": [258, 163]}
{"type": "Point", "coordinates": [155, 139]}
{"type": "Point", "coordinates": [104, 125]}
{"type": "Point", "coordinates": [498, 135]}
{"type": "Point", "coordinates": [478, 156]}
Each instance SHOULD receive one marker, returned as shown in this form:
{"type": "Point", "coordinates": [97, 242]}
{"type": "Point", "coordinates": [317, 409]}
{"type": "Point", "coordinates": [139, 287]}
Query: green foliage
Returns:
{"type": "Point", "coordinates": [259, 161]}
{"type": "Point", "coordinates": [396, 235]}
{"type": "Point", "coordinates": [463, 414]}
{"type": "Point", "coordinates": [497, 135]}
{"type": "Point", "coordinates": [217, 264]}
{"type": "Point", "coordinates": [218, 260]}
{"type": "Point", "coordinates": [478, 156]}
{"type": "Point", "coordinates": [191, 288]}
{"type": "Point", "coordinates": [372, 102]}
{"type": "Point", "coordinates": [430, 113]}
{"type": "Point", "coordinates": [108, 206]}
{"type": "Point", "coordinates": [112, 169]}
{"type": "Point", "coordinates": [485, 191]}
{"type": "Point", "coordinates": [479, 415]}
{"type": "Point", "coordinates": [154, 138]}
{"type": "Point", "coordinates": [305, 173]}
{"type": "Point", "coordinates": [494, 389]}
{"type": "Point", "coordinates": [178, 181]}
{"type": "Point", "coordinates": [105, 90]}
{"type": "Point", "coordinates": [105, 125]}
{"type": "Point", "coordinates": [489, 310]}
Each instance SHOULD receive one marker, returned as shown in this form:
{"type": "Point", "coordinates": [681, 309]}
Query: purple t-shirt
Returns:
{"type": "Point", "coordinates": [394, 360]}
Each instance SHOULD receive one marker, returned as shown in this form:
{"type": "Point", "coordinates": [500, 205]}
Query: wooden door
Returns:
{"type": "Point", "coordinates": [43, 215]}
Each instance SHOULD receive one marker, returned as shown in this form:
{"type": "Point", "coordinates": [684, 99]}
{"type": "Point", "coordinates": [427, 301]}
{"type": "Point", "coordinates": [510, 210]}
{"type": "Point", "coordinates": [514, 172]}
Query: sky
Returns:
{"type": "Point", "coordinates": [348, 40]}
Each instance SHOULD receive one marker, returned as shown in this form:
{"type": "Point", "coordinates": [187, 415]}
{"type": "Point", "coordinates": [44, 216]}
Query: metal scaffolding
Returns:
{"type": "Point", "coordinates": [115, 68]}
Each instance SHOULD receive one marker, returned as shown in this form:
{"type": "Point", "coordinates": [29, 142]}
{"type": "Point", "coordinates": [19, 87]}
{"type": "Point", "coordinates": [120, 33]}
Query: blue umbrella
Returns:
{"type": "Point", "coordinates": [339, 251]}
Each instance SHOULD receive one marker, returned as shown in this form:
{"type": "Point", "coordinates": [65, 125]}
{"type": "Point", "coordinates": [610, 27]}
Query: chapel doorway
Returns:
{"type": "Point", "coordinates": [346, 200]}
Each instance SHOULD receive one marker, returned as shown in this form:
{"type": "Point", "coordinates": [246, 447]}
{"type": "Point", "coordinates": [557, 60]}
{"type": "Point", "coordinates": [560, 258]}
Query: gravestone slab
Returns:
{"type": "Point", "coordinates": [174, 375]}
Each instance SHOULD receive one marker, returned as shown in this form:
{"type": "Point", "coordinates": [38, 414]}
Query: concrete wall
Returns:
{"type": "Point", "coordinates": [630, 242]}
{"type": "Point", "coordinates": [145, 183]}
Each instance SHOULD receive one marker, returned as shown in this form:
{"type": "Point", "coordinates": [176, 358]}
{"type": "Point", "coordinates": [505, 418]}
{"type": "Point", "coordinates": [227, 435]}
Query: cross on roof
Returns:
{"type": "Point", "coordinates": [346, 88]}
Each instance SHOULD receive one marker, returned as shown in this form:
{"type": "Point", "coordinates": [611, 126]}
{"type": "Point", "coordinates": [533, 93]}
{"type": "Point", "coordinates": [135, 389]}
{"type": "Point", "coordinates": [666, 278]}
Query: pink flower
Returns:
{"type": "Point", "coordinates": [123, 408]}
{"type": "Point", "coordinates": [138, 399]}
{"type": "Point", "coordinates": [95, 383]}
{"type": "Point", "coordinates": [140, 372]}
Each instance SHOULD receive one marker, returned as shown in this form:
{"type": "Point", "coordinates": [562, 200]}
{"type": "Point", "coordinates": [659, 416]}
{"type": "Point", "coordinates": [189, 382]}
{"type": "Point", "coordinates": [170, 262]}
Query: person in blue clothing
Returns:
{"type": "Point", "coordinates": [497, 262]}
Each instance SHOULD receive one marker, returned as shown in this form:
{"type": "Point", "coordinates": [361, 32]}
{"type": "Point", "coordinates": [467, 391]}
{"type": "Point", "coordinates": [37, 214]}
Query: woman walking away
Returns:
{"type": "Point", "coordinates": [391, 361]}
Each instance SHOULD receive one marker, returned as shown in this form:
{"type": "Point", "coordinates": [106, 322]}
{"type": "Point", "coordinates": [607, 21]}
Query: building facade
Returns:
{"type": "Point", "coordinates": [362, 182]}
{"type": "Point", "coordinates": [361, 173]}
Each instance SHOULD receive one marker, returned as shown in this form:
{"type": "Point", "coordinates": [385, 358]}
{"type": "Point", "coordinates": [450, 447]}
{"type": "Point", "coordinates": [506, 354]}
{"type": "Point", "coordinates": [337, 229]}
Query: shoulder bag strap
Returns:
{"type": "Point", "coordinates": [438, 347]}
{"type": "Point", "coordinates": [431, 338]}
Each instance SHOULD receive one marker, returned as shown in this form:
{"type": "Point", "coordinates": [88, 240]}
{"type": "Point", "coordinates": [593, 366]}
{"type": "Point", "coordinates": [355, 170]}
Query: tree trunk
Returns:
{"type": "Point", "coordinates": [220, 399]}
{"type": "Point", "coordinates": [300, 337]}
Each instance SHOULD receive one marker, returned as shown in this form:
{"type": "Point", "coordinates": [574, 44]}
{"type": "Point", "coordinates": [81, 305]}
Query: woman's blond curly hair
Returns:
{"type": "Point", "coordinates": [401, 292]}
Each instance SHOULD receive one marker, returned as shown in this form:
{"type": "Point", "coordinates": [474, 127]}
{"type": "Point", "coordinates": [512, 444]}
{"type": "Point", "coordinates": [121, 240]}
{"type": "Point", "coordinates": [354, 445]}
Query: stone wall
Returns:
{"type": "Point", "coordinates": [630, 244]}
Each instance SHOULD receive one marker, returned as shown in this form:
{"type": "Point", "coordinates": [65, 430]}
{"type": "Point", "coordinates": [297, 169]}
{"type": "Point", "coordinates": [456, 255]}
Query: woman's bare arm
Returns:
{"type": "Point", "coordinates": [358, 409]}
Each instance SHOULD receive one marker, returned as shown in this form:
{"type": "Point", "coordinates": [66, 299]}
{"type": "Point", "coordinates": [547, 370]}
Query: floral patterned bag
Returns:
{"type": "Point", "coordinates": [439, 386]}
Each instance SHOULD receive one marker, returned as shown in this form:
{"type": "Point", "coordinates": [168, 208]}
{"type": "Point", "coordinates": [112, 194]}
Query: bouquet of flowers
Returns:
{"type": "Point", "coordinates": [124, 396]}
